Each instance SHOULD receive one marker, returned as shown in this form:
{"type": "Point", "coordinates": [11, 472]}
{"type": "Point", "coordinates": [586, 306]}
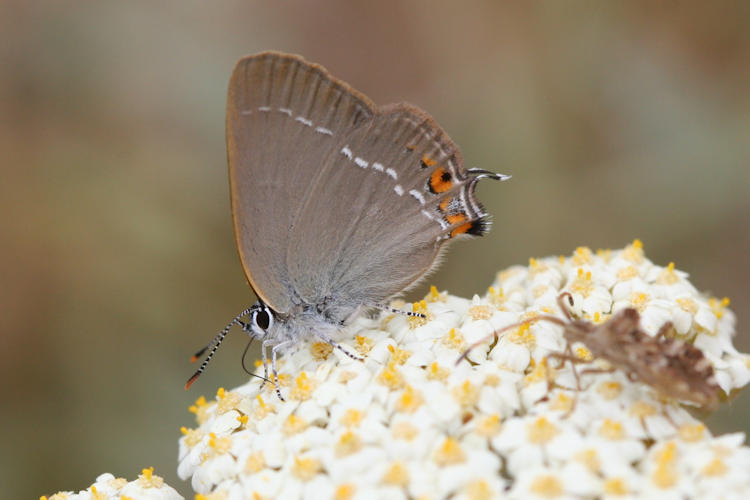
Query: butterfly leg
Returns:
{"type": "Point", "coordinates": [328, 340]}
{"type": "Point", "coordinates": [390, 309]}
{"type": "Point", "coordinates": [274, 350]}
{"type": "Point", "coordinates": [264, 356]}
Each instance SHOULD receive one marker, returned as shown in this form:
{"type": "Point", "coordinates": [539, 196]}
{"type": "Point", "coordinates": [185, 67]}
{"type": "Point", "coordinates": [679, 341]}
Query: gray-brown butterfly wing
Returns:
{"type": "Point", "coordinates": [284, 117]}
{"type": "Point", "coordinates": [391, 193]}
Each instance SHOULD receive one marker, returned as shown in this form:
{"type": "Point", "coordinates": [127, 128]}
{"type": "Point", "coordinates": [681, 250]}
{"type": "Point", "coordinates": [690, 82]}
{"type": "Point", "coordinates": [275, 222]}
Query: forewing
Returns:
{"type": "Point", "coordinates": [284, 117]}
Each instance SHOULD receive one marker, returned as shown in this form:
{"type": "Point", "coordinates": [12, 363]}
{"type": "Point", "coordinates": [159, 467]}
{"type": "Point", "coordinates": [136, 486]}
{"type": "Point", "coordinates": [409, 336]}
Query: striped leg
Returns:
{"type": "Point", "coordinates": [274, 350]}
{"type": "Point", "coordinates": [390, 309]}
{"type": "Point", "coordinates": [264, 357]}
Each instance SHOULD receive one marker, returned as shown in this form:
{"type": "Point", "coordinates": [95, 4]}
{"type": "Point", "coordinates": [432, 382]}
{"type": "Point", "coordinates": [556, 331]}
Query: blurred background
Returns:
{"type": "Point", "coordinates": [617, 120]}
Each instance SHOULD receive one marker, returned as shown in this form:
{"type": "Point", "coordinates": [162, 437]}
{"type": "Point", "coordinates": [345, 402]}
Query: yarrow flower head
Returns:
{"type": "Point", "coordinates": [518, 418]}
{"type": "Point", "coordinates": [148, 486]}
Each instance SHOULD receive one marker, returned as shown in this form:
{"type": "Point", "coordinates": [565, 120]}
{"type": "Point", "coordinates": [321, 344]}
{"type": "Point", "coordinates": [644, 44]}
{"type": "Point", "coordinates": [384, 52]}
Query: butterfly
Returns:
{"type": "Point", "coordinates": [338, 204]}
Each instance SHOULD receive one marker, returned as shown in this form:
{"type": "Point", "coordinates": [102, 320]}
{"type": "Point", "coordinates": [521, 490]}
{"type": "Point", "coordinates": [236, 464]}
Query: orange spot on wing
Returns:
{"type": "Point", "coordinates": [427, 161]}
{"type": "Point", "coordinates": [456, 218]}
{"type": "Point", "coordinates": [463, 228]}
{"type": "Point", "coordinates": [444, 204]}
{"type": "Point", "coordinates": [440, 180]}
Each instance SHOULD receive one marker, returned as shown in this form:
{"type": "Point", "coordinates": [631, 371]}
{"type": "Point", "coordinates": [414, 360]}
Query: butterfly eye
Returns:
{"type": "Point", "coordinates": [263, 319]}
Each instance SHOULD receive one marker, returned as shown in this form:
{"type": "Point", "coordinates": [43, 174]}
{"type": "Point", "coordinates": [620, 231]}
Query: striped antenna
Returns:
{"type": "Point", "coordinates": [214, 345]}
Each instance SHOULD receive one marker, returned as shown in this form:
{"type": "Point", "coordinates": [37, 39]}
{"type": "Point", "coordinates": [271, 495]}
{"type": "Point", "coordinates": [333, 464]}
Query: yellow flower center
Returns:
{"type": "Point", "coordinates": [409, 401]}
{"type": "Point", "coordinates": [293, 425]}
{"type": "Point", "coordinates": [547, 486]}
{"type": "Point", "coordinates": [348, 443]}
{"type": "Point", "coordinates": [612, 430]}
{"type": "Point", "coordinates": [582, 256]}
{"type": "Point", "coordinates": [396, 475]}
{"type": "Point", "coordinates": [352, 418]}
{"type": "Point", "coordinates": [305, 468]}
{"type": "Point", "coordinates": [303, 387]}
{"type": "Point", "coordinates": [541, 431]}
{"type": "Point", "coordinates": [320, 350]}
{"type": "Point", "coordinates": [449, 453]}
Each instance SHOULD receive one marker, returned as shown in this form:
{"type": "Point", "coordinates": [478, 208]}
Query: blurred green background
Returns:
{"type": "Point", "coordinates": [616, 120]}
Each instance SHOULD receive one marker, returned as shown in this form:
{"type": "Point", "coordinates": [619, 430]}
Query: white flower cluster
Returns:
{"type": "Point", "coordinates": [148, 486]}
{"type": "Point", "coordinates": [409, 422]}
